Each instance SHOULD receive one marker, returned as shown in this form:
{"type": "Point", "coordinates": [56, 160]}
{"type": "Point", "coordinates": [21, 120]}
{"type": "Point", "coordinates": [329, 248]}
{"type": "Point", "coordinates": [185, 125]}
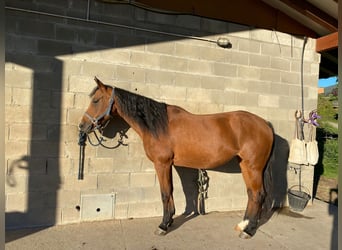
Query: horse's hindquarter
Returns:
{"type": "Point", "coordinates": [207, 141]}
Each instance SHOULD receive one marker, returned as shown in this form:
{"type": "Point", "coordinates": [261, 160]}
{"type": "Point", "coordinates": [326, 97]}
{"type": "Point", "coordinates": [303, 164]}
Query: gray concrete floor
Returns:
{"type": "Point", "coordinates": [314, 228]}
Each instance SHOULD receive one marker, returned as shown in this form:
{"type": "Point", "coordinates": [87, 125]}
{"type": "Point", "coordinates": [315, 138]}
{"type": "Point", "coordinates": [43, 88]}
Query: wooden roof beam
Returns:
{"type": "Point", "coordinates": [311, 11]}
{"type": "Point", "coordinates": [327, 42]}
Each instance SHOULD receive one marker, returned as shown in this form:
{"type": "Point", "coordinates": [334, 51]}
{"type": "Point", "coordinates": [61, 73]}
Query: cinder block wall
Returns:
{"type": "Point", "coordinates": [50, 66]}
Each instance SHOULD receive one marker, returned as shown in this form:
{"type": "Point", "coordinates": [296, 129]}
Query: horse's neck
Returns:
{"type": "Point", "coordinates": [130, 122]}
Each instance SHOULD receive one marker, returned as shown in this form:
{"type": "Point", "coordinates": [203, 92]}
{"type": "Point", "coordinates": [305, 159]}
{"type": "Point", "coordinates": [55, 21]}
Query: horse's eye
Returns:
{"type": "Point", "coordinates": [96, 100]}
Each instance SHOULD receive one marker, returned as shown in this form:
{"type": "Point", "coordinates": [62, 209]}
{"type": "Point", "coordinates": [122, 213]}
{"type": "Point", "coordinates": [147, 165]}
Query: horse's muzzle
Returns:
{"type": "Point", "coordinates": [85, 127]}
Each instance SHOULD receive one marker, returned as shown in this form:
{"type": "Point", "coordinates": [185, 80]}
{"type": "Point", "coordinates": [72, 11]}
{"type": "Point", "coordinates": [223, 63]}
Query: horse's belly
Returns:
{"type": "Point", "coordinates": [205, 158]}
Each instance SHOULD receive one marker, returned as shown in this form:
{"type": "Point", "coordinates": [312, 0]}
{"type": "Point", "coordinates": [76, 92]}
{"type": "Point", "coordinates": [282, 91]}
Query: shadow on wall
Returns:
{"type": "Point", "coordinates": [40, 176]}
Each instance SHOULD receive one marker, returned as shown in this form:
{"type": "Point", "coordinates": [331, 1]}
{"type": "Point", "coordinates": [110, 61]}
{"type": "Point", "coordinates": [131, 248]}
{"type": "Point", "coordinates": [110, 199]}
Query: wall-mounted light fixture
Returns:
{"type": "Point", "coordinates": [223, 42]}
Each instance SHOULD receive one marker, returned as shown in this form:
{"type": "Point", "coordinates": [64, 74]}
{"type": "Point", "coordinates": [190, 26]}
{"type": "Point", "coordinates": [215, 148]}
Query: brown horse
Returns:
{"type": "Point", "coordinates": [173, 136]}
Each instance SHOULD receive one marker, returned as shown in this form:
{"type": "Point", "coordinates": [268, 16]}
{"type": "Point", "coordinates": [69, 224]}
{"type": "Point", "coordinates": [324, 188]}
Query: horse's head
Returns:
{"type": "Point", "coordinates": [100, 108]}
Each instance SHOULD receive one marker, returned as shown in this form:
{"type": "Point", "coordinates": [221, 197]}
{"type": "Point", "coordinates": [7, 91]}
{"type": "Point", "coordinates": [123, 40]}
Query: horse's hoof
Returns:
{"type": "Point", "coordinates": [160, 232]}
{"type": "Point", "coordinates": [244, 235]}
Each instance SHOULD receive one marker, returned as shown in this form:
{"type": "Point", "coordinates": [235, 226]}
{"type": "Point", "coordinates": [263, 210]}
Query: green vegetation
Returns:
{"type": "Point", "coordinates": [327, 134]}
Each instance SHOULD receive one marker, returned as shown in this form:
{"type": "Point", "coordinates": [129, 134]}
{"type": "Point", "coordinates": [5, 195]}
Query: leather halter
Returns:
{"type": "Point", "coordinates": [95, 120]}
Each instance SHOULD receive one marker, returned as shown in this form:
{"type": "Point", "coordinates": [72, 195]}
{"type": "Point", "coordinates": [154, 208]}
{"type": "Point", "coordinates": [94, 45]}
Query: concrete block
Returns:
{"type": "Point", "coordinates": [121, 211]}
{"type": "Point", "coordinates": [260, 86]}
{"type": "Point", "coordinates": [24, 44]}
{"type": "Point", "coordinates": [210, 108]}
{"type": "Point", "coordinates": [74, 116]}
{"type": "Point", "coordinates": [147, 165]}
{"type": "Point", "coordinates": [79, 84]}
{"type": "Point", "coordinates": [261, 35]}
{"type": "Point", "coordinates": [161, 47]}
{"type": "Point", "coordinates": [118, 154]}
{"type": "Point", "coordinates": [224, 69]}
{"type": "Point", "coordinates": [133, 42]}
{"type": "Point", "coordinates": [143, 210]}
{"type": "Point", "coordinates": [8, 96]}
{"type": "Point", "coordinates": [198, 95]}
{"type": "Point", "coordinates": [82, 100]}
{"type": "Point", "coordinates": [186, 50]}
{"type": "Point", "coordinates": [148, 60]}
{"type": "Point", "coordinates": [36, 28]}
{"type": "Point", "coordinates": [237, 85]}
{"type": "Point", "coordinates": [239, 58]}
{"type": "Point", "coordinates": [13, 113]}
{"type": "Point", "coordinates": [160, 77]}
{"type": "Point", "coordinates": [92, 69]}
{"type": "Point", "coordinates": [117, 180]}
{"type": "Point", "coordinates": [101, 165]}
{"type": "Point", "coordinates": [250, 46]}
{"type": "Point", "coordinates": [65, 33]}
{"type": "Point", "coordinates": [271, 49]}
{"type": "Point", "coordinates": [16, 184]}
{"type": "Point", "coordinates": [72, 183]}
{"type": "Point", "coordinates": [62, 166]}
{"type": "Point", "coordinates": [142, 179]}
{"type": "Point", "coordinates": [199, 67]}
{"type": "Point", "coordinates": [173, 63]}
{"type": "Point", "coordinates": [290, 77]}
{"type": "Point", "coordinates": [269, 101]}
{"type": "Point", "coordinates": [19, 79]}
{"type": "Point", "coordinates": [228, 98]}
{"type": "Point", "coordinates": [16, 149]}
{"type": "Point", "coordinates": [16, 202]}
{"type": "Point", "coordinates": [262, 61]}
{"type": "Point", "coordinates": [70, 215]}
{"type": "Point", "coordinates": [172, 92]}
{"type": "Point", "coordinates": [187, 80]}
{"type": "Point", "coordinates": [25, 132]}
{"type": "Point", "coordinates": [25, 166]}
{"type": "Point", "coordinates": [62, 100]}
{"type": "Point", "coordinates": [53, 48]}
{"type": "Point", "coordinates": [295, 90]}
{"type": "Point", "coordinates": [148, 90]}
{"type": "Point", "coordinates": [289, 102]}
{"type": "Point", "coordinates": [84, 54]}
{"type": "Point", "coordinates": [117, 56]}
{"type": "Point", "coordinates": [216, 54]}
{"type": "Point", "coordinates": [278, 63]}
{"type": "Point", "coordinates": [270, 75]}
{"type": "Point", "coordinates": [247, 99]}
{"type": "Point", "coordinates": [44, 149]}
{"type": "Point", "coordinates": [105, 38]}
{"type": "Point", "coordinates": [125, 73]}
{"type": "Point", "coordinates": [248, 72]}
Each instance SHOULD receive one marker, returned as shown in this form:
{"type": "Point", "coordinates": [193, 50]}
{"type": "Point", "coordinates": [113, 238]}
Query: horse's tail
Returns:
{"type": "Point", "coordinates": [269, 206]}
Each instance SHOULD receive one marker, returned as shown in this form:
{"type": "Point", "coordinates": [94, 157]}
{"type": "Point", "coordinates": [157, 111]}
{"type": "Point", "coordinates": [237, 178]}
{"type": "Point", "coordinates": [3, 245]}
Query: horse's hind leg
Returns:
{"type": "Point", "coordinates": [253, 177]}
{"type": "Point", "coordinates": [164, 173]}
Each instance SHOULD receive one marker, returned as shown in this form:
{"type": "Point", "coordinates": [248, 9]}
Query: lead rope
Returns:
{"type": "Point", "coordinates": [203, 185]}
{"type": "Point", "coordinates": [82, 138]}
{"type": "Point", "coordinates": [100, 141]}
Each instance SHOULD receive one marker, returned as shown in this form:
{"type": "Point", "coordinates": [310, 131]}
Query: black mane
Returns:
{"type": "Point", "coordinates": [150, 115]}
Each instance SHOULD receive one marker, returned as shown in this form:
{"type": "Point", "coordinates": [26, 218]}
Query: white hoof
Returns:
{"type": "Point", "coordinates": [242, 225]}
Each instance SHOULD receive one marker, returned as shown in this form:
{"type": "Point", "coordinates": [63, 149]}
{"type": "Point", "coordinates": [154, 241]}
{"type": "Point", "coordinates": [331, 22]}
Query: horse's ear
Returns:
{"type": "Point", "coordinates": [99, 83]}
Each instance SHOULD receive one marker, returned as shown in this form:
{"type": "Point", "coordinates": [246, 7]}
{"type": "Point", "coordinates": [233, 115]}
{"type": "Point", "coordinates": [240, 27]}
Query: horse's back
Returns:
{"type": "Point", "coordinates": [213, 139]}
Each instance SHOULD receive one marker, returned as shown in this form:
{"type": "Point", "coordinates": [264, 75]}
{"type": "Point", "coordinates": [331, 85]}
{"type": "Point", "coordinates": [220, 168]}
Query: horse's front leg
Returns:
{"type": "Point", "coordinates": [164, 172]}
